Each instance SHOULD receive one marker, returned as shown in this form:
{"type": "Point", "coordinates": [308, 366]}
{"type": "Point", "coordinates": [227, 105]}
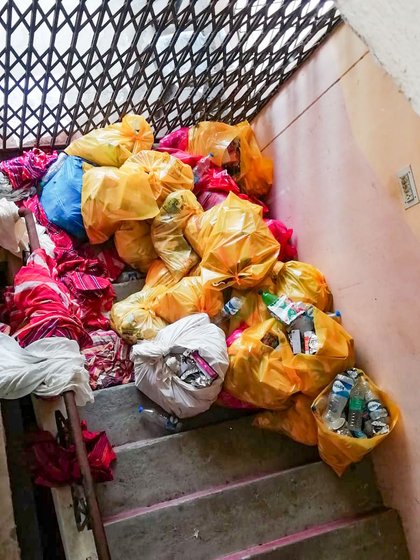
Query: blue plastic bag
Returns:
{"type": "Point", "coordinates": [61, 197]}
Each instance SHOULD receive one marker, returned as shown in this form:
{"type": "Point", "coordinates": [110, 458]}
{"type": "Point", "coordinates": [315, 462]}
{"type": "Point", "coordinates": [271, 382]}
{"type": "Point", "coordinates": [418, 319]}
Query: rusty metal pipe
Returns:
{"type": "Point", "coordinates": [31, 227]}
{"type": "Point", "coordinates": [87, 480]}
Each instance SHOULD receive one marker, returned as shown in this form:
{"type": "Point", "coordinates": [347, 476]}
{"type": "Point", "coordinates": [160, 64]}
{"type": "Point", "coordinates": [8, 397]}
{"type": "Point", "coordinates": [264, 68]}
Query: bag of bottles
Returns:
{"type": "Point", "coordinates": [115, 143]}
{"type": "Point", "coordinates": [240, 250]}
{"type": "Point", "coordinates": [159, 275]}
{"type": "Point", "coordinates": [134, 318]}
{"type": "Point", "coordinates": [338, 450]}
{"type": "Point", "coordinates": [335, 353]}
{"type": "Point", "coordinates": [61, 197]}
{"type": "Point", "coordinates": [166, 173]}
{"type": "Point", "coordinates": [256, 372]}
{"type": "Point", "coordinates": [111, 196]}
{"type": "Point", "coordinates": [156, 376]}
{"type": "Point", "coordinates": [296, 421]}
{"type": "Point", "coordinates": [235, 149]}
{"type": "Point", "coordinates": [167, 232]}
{"type": "Point", "coordinates": [187, 297]}
{"type": "Point", "coordinates": [134, 244]}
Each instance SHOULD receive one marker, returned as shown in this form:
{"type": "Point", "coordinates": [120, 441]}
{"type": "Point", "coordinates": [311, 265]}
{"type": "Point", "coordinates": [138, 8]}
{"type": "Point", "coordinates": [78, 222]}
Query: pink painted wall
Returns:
{"type": "Point", "coordinates": [338, 132]}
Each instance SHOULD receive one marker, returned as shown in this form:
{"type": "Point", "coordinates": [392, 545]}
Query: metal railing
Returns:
{"type": "Point", "coordinates": [68, 67]}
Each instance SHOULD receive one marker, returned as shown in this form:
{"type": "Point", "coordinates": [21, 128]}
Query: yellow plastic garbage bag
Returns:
{"type": "Point", "coordinates": [236, 148]}
{"type": "Point", "coordinates": [167, 232]}
{"type": "Point", "coordinates": [134, 244]}
{"type": "Point", "coordinates": [256, 374]}
{"type": "Point", "coordinates": [303, 282]}
{"type": "Point", "coordinates": [299, 281]}
{"type": "Point", "coordinates": [113, 144]}
{"type": "Point", "coordinates": [187, 297]}
{"type": "Point", "coordinates": [159, 275]}
{"type": "Point", "coordinates": [111, 196]}
{"type": "Point", "coordinates": [199, 227]}
{"type": "Point", "coordinates": [296, 421]}
{"type": "Point", "coordinates": [335, 354]}
{"type": "Point", "coordinates": [240, 250]}
{"type": "Point", "coordinates": [166, 173]}
{"type": "Point", "coordinates": [340, 451]}
{"type": "Point", "coordinates": [134, 318]}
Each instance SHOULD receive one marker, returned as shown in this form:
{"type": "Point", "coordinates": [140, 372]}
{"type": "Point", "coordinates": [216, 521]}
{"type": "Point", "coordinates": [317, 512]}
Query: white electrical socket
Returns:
{"type": "Point", "coordinates": [408, 187]}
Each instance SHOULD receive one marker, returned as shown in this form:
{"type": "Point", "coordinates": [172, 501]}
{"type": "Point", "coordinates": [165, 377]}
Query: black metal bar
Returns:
{"type": "Point", "coordinates": [7, 73]}
{"type": "Point", "coordinates": [87, 480]}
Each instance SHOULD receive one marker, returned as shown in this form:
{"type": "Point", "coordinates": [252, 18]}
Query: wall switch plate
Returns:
{"type": "Point", "coordinates": [408, 187]}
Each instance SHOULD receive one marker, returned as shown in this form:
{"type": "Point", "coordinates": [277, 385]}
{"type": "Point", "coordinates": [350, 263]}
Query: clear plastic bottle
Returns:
{"type": "Point", "coordinates": [356, 405]}
{"type": "Point", "coordinates": [231, 308]}
{"type": "Point", "coordinates": [169, 423]}
{"type": "Point", "coordinates": [337, 401]}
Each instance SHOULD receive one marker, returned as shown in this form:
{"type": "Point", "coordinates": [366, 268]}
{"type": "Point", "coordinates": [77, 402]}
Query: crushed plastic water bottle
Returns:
{"type": "Point", "coordinates": [231, 308]}
{"type": "Point", "coordinates": [337, 401]}
{"type": "Point", "coordinates": [169, 423]}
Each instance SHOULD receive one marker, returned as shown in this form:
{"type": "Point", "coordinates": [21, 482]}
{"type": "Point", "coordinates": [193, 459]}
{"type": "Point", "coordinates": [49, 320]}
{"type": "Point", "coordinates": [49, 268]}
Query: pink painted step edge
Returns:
{"type": "Point", "coordinates": [282, 542]}
{"type": "Point", "coordinates": [199, 494]}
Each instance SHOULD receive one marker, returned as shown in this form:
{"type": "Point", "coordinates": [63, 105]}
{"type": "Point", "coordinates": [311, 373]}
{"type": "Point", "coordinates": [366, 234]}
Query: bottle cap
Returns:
{"type": "Point", "coordinates": [141, 408]}
{"type": "Point", "coordinates": [338, 313]}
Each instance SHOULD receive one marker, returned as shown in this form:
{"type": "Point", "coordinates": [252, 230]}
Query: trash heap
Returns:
{"type": "Point", "coordinates": [160, 261]}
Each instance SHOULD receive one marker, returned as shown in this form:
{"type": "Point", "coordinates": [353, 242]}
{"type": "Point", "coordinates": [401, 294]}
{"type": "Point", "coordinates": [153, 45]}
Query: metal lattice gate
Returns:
{"type": "Point", "coordinates": [67, 66]}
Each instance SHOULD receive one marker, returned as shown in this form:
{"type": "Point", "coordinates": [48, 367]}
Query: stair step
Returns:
{"type": "Point", "coordinates": [169, 467]}
{"type": "Point", "coordinates": [209, 523]}
{"type": "Point", "coordinates": [375, 536]}
{"type": "Point", "coordinates": [115, 410]}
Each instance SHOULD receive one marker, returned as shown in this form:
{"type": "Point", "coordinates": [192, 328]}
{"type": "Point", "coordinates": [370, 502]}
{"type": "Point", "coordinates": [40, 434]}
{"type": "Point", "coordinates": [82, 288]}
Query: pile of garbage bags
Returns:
{"type": "Point", "coordinates": [227, 313]}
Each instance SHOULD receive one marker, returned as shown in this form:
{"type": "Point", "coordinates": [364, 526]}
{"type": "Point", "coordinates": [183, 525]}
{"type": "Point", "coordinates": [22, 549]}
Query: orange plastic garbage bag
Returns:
{"type": "Point", "coordinates": [166, 173]}
{"type": "Point", "coordinates": [111, 196]}
{"type": "Point", "coordinates": [115, 143]}
{"type": "Point", "coordinates": [335, 354]}
{"type": "Point", "coordinates": [134, 244]}
{"type": "Point", "coordinates": [159, 275]}
{"type": "Point", "coordinates": [187, 297]}
{"type": "Point", "coordinates": [303, 282]}
{"type": "Point", "coordinates": [236, 149]}
{"type": "Point", "coordinates": [240, 250]}
{"type": "Point", "coordinates": [167, 232]}
{"type": "Point", "coordinates": [256, 374]}
{"type": "Point", "coordinates": [340, 451]}
{"type": "Point", "coordinates": [296, 421]}
{"type": "Point", "coordinates": [199, 227]}
{"type": "Point", "coordinates": [134, 318]}
{"type": "Point", "coordinates": [299, 281]}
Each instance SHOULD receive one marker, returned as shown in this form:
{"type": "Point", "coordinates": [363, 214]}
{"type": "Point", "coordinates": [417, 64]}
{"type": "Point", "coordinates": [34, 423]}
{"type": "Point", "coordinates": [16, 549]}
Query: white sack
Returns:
{"type": "Point", "coordinates": [47, 368]}
{"type": "Point", "coordinates": [164, 387]}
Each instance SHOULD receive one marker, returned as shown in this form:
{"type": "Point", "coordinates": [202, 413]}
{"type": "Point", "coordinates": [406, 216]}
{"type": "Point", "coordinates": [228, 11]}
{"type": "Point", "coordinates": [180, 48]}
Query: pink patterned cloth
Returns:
{"type": "Point", "coordinates": [108, 360]}
{"type": "Point", "coordinates": [23, 171]}
{"type": "Point", "coordinates": [41, 304]}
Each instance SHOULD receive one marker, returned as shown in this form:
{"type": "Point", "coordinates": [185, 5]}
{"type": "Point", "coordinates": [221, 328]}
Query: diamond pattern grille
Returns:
{"type": "Point", "coordinates": [67, 66]}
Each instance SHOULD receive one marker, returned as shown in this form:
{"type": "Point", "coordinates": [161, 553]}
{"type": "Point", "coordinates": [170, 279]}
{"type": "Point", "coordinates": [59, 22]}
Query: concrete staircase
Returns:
{"type": "Point", "coordinates": [223, 490]}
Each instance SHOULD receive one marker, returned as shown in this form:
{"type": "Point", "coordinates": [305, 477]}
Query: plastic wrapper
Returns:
{"type": "Point", "coordinates": [115, 143]}
{"type": "Point", "coordinates": [166, 173]}
{"type": "Point", "coordinates": [240, 249]}
{"type": "Point", "coordinates": [159, 275]}
{"type": "Point", "coordinates": [340, 451]}
{"type": "Point", "coordinates": [61, 197]}
{"type": "Point", "coordinates": [256, 374]}
{"type": "Point", "coordinates": [111, 196]}
{"type": "Point", "coordinates": [234, 148]}
{"type": "Point", "coordinates": [176, 139]}
{"type": "Point", "coordinates": [159, 382]}
{"type": "Point", "coordinates": [335, 354]}
{"type": "Point", "coordinates": [188, 297]}
{"type": "Point", "coordinates": [167, 232]}
{"type": "Point", "coordinates": [134, 318]}
{"type": "Point", "coordinates": [296, 421]}
{"type": "Point", "coordinates": [134, 244]}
